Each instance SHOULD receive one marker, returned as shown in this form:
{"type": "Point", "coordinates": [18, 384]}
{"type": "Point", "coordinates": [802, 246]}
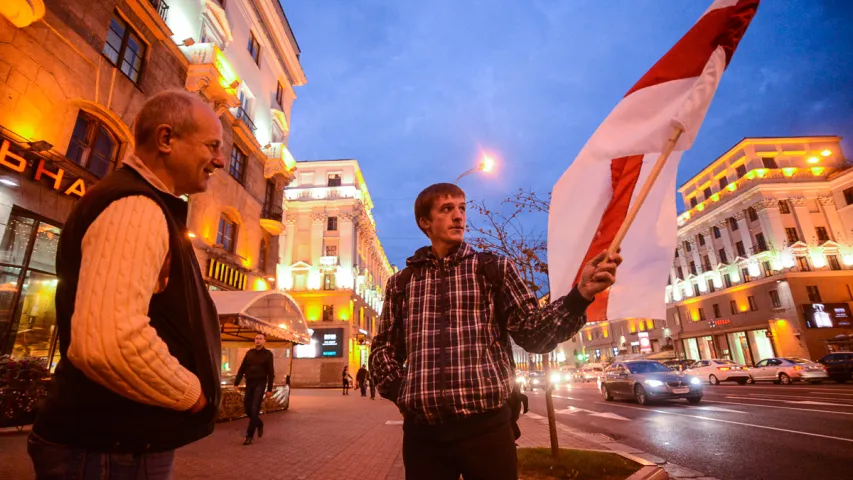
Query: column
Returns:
{"type": "Point", "coordinates": [833, 221]}
{"type": "Point", "coordinates": [745, 236]}
{"type": "Point", "coordinates": [771, 223]}
{"type": "Point", "coordinates": [697, 259]}
{"type": "Point", "coordinates": [712, 251]}
{"type": "Point", "coordinates": [345, 230]}
{"type": "Point", "coordinates": [726, 238]}
{"type": "Point", "coordinates": [285, 245]}
{"type": "Point", "coordinates": [318, 227]}
{"type": "Point", "coordinates": [804, 219]}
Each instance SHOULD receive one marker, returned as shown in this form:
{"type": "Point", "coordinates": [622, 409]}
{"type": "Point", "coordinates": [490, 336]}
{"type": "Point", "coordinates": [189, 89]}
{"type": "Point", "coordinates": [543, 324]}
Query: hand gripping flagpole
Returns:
{"type": "Point", "coordinates": [644, 192]}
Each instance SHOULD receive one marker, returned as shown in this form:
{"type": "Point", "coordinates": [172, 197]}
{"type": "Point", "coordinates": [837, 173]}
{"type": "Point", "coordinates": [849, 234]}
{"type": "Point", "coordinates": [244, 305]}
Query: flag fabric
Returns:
{"type": "Point", "coordinates": [591, 199]}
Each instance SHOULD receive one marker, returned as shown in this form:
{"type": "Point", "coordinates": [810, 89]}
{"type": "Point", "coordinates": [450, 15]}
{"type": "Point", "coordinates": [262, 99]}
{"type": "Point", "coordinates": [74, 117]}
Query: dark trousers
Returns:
{"type": "Point", "coordinates": [252, 403]}
{"type": "Point", "coordinates": [480, 451]}
{"type": "Point", "coordinates": [363, 387]}
{"type": "Point", "coordinates": [57, 462]}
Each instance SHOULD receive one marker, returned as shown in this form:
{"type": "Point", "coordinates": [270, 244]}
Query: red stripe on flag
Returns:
{"type": "Point", "coordinates": [721, 27]}
{"type": "Point", "coordinates": [624, 173]}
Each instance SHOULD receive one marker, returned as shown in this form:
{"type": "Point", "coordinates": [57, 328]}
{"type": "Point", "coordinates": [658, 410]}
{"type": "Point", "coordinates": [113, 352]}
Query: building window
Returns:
{"type": "Point", "coordinates": [803, 263]}
{"type": "Point", "coordinates": [792, 235]}
{"type": "Point", "coordinates": [263, 251]}
{"type": "Point", "coordinates": [733, 224]}
{"type": "Point", "coordinates": [753, 215]}
{"type": "Point", "coordinates": [687, 246]}
{"type": "Point", "coordinates": [740, 170]}
{"type": "Point", "coordinates": [328, 313]}
{"type": "Point", "coordinates": [762, 244]}
{"type": "Point", "coordinates": [822, 236]}
{"type": "Point", "coordinates": [848, 195]}
{"type": "Point", "coordinates": [733, 306]}
{"type": "Point", "coordinates": [334, 180]}
{"type": "Point", "coordinates": [724, 182]}
{"type": "Point", "coordinates": [28, 278]}
{"type": "Point", "coordinates": [741, 251]}
{"type": "Point", "coordinates": [237, 169]}
{"type": "Point", "coordinates": [752, 305]}
{"type": "Point", "coordinates": [707, 193]}
{"type": "Point", "coordinates": [722, 255]}
{"type": "Point", "coordinates": [693, 267]}
{"type": "Point", "coordinates": [329, 281]}
{"type": "Point", "coordinates": [701, 240]}
{"type": "Point", "coordinates": [680, 273]}
{"type": "Point", "coordinates": [695, 289]}
{"type": "Point", "coordinates": [676, 252]}
{"type": "Point", "coordinates": [784, 207]}
{"type": "Point", "coordinates": [226, 234]}
{"type": "Point", "coordinates": [701, 314]}
{"type": "Point", "coordinates": [769, 162]}
{"type": "Point", "coordinates": [774, 299]}
{"type": "Point", "coordinates": [716, 308]}
{"type": "Point", "coordinates": [706, 263]}
{"type": "Point", "coordinates": [124, 49]}
{"type": "Point", "coordinates": [814, 293]}
{"type": "Point", "coordinates": [765, 267]}
{"type": "Point", "coordinates": [332, 224]}
{"type": "Point", "coordinates": [331, 250]}
{"type": "Point", "coordinates": [833, 262]}
{"type": "Point", "coordinates": [711, 288]}
{"type": "Point", "coordinates": [727, 280]}
{"type": "Point", "coordinates": [277, 133]}
{"type": "Point", "coordinates": [279, 94]}
{"type": "Point", "coordinates": [744, 273]}
{"type": "Point", "coordinates": [92, 145]}
{"type": "Point", "coordinates": [694, 202]}
{"type": "Point", "coordinates": [254, 48]}
{"type": "Point", "coordinates": [716, 230]}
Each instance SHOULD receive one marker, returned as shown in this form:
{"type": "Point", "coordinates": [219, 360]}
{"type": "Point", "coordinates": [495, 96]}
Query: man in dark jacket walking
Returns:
{"type": "Point", "coordinates": [259, 370]}
{"type": "Point", "coordinates": [139, 343]}
{"type": "Point", "coordinates": [361, 380]}
{"type": "Point", "coordinates": [448, 324]}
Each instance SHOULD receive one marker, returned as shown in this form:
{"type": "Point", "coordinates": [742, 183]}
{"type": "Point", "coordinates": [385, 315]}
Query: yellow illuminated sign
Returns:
{"type": "Point", "coordinates": [18, 164]}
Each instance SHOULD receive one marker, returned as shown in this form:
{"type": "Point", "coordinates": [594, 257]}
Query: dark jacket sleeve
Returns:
{"type": "Point", "coordinates": [387, 352]}
{"type": "Point", "coordinates": [270, 370]}
{"type": "Point", "coordinates": [538, 329]}
{"type": "Point", "coordinates": [242, 370]}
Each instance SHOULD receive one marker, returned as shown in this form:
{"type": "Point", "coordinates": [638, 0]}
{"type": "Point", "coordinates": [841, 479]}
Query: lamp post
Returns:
{"type": "Point", "coordinates": [487, 164]}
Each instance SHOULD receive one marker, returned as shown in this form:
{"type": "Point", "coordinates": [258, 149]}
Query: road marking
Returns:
{"type": "Point", "coordinates": [609, 415]}
{"type": "Point", "coordinates": [570, 411]}
{"type": "Point", "coordinates": [712, 419]}
{"type": "Point", "coordinates": [716, 409]}
{"type": "Point", "coordinates": [800, 402]}
{"type": "Point", "coordinates": [762, 395]}
{"type": "Point", "coordinates": [821, 393]}
{"type": "Point", "coordinates": [394, 422]}
{"type": "Point", "coordinates": [774, 406]}
{"type": "Point", "coordinates": [562, 396]}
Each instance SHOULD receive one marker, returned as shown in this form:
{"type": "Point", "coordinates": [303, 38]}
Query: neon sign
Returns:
{"type": "Point", "coordinates": [19, 164]}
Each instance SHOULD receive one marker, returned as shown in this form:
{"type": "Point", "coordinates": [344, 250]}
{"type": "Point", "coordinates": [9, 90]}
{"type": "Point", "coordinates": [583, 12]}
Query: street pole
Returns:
{"type": "Point", "coordinates": [549, 405]}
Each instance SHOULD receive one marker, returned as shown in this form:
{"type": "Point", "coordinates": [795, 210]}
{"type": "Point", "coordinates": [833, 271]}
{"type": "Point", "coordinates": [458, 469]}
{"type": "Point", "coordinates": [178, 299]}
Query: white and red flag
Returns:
{"type": "Point", "coordinates": [591, 200]}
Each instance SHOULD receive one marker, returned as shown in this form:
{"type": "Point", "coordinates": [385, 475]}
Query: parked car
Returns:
{"type": "Point", "coordinates": [839, 366]}
{"type": "Point", "coordinates": [679, 365]}
{"type": "Point", "coordinates": [786, 370]}
{"type": "Point", "coordinates": [647, 381]}
{"type": "Point", "coordinates": [719, 370]}
{"type": "Point", "coordinates": [591, 371]}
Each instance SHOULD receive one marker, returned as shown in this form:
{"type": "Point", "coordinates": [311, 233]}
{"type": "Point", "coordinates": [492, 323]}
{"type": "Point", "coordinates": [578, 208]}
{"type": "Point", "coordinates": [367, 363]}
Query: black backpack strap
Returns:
{"type": "Point", "coordinates": [489, 268]}
{"type": "Point", "coordinates": [401, 285]}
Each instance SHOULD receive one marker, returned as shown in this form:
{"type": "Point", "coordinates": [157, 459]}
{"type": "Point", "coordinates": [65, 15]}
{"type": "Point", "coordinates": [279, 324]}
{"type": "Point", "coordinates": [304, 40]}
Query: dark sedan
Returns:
{"type": "Point", "coordinates": [839, 366]}
{"type": "Point", "coordinates": [647, 381]}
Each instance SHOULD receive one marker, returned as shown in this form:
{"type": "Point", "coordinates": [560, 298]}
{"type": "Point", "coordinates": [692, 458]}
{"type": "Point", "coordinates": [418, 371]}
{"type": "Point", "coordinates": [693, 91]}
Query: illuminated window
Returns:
{"type": "Point", "coordinates": [124, 49]}
{"type": "Point", "coordinates": [237, 168]}
{"type": "Point", "coordinates": [744, 274]}
{"type": "Point", "coordinates": [331, 250]}
{"type": "Point", "coordinates": [92, 145]}
{"type": "Point", "coordinates": [226, 234]}
{"type": "Point", "coordinates": [254, 48]}
{"type": "Point", "coordinates": [328, 313]}
{"type": "Point", "coordinates": [329, 281]}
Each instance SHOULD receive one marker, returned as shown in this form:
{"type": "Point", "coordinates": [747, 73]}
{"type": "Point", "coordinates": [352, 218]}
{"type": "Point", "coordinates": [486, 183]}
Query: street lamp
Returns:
{"type": "Point", "coordinates": [487, 164]}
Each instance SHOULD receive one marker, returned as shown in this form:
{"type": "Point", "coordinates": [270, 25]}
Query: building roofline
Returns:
{"type": "Point", "coordinates": [757, 141]}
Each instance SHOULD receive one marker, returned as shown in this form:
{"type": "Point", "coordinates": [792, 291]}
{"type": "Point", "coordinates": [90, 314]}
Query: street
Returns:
{"type": "Point", "coordinates": [761, 431]}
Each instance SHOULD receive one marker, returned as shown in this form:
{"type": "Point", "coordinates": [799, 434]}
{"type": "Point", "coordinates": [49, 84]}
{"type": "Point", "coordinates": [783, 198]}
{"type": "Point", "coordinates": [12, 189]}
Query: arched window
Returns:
{"type": "Point", "coordinates": [93, 145]}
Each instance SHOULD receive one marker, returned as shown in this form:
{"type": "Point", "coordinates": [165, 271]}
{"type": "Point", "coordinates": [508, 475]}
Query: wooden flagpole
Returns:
{"type": "Point", "coordinates": [644, 192]}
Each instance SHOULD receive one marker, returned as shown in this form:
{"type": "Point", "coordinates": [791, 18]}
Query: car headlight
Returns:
{"type": "Point", "coordinates": [654, 383]}
{"type": "Point", "coordinates": [519, 379]}
{"type": "Point", "coordinates": [568, 377]}
{"type": "Point", "coordinates": [535, 382]}
{"type": "Point", "coordinates": [555, 378]}
{"type": "Point", "coordinates": [695, 381]}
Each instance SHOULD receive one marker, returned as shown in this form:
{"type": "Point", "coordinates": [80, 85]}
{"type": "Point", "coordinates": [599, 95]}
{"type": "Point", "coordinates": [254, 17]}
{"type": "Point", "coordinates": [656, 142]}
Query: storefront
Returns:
{"type": "Point", "coordinates": [746, 347]}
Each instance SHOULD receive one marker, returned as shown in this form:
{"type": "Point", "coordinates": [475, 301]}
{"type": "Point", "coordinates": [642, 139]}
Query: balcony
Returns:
{"type": "Point", "coordinates": [243, 116]}
{"type": "Point", "coordinates": [279, 162]}
{"type": "Point", "coordinates": [760, 248]}
{"type": "Point", "coordinates": [212, 75]}
{"type": "Point", "coordinates": [272, 219]}
{"type": "Point", "coordinates": [162, 8]}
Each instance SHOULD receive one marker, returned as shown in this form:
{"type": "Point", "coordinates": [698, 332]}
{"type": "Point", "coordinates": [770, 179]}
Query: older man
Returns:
{"type": "Point", "coordinates": [138, 333]}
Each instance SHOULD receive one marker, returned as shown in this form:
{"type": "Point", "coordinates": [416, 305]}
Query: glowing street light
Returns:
{"type": "Point", "coordinates": [487, 164]}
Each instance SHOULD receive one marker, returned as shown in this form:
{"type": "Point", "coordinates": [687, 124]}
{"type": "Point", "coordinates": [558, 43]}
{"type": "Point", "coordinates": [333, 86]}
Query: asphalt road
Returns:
{"type": "Point", "coordinates": [761, 431]}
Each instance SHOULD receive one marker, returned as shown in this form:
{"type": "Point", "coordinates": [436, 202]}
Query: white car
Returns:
{"type": "Point", "coordinates": [788, 370]}
{"type": "Point", "coordinates": [719, 370]}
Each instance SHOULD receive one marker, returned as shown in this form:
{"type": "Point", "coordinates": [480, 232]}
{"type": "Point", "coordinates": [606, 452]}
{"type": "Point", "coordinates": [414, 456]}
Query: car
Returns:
{"type": "Point", "coordinates": [647, 381]}
{"type": "Point", "coordinates": [591, 371]}
{"type": "Point", "coordinates": [570, 374]}
{"type": "Point", "coordinates": [536, 380]}
{"type": "Point", "coordinates": [522, 379]}
{"type": "Point", "coordinates": [719, 370]}
{"type": "Point", "coordinates": [786, 370]}
{"type": "Point", "coordinates": [679, 365]}
{"type": "Point", "coordinates": [839, 366]}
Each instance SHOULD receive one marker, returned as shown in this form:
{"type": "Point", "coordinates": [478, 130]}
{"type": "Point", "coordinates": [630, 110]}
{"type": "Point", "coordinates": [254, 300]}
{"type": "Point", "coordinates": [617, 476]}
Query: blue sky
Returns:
{"type": "Point", "coordinates": [414, 90]}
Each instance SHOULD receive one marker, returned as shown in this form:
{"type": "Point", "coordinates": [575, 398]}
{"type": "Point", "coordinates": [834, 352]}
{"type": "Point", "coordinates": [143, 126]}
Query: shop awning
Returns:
{"type": "Point", "coordinates": [662, 355]}
{"type": "Point", "coordinates": [273, 312]}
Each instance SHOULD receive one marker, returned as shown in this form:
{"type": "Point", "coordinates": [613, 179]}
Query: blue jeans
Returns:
{"type": "Point", "coordinates": [58, 462]}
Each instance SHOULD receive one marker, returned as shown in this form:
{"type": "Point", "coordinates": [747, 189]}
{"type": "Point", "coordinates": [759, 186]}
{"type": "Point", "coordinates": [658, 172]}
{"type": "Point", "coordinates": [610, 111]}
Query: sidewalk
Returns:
{"type": "Point", "coordinates": [324, 435]}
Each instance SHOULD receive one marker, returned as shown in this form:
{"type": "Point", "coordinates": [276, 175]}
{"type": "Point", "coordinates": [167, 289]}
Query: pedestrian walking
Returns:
{"type": "Point", "coordinates": [346, 378]}
{"type": "Point", "coordinates": [372, 383]}
{"type": "Point", "coordinates": [138, 374]}
{"type": "Point", "coordinates": [259, 370]}
{"type": "Point", "coordinates": [361, 380]}
{"type": "Point", "coordinates": [456, 309]}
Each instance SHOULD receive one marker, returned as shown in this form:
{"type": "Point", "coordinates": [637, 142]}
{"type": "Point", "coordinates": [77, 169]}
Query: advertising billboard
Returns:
{"type": "Point", "coordinates": [325, 343]}
{"type": "Point", "coordinates": [827, 315]}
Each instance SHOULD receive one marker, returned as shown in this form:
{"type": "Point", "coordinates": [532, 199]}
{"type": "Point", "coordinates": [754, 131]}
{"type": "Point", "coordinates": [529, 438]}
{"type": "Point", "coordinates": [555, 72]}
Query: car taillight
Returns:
{"type": "Point", "coordinates": [798, 368]}
{"type": "Point", "coordinates": [723, 369]}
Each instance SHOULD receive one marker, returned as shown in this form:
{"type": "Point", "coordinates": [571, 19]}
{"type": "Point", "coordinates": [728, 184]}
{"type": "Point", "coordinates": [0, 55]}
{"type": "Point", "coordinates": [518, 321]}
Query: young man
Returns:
{"type": "Point", "coordinates": [258, 368]}
{"type": "Point", "coordinates": [443, 320]}
{"type": "Point", "coordinates": [139, 344]}
{"type": "Point", "coordinates": [361, 380]}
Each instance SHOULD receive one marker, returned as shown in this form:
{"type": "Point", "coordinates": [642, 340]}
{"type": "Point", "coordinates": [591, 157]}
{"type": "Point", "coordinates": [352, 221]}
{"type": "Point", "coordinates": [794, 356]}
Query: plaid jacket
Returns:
{"type": "Point", "coordinates": [438, 353]}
